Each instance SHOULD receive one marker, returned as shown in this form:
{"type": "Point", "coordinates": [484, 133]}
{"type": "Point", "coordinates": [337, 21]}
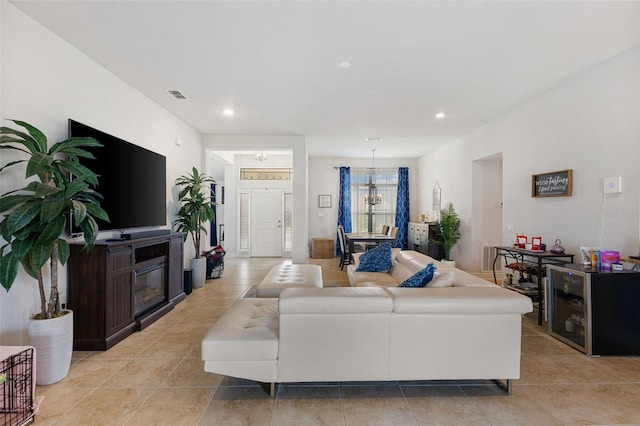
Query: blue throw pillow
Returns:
{"type": "Point", "coordinates": [376, 260]}
{"type": "Point", "coordinates": [420, 278]}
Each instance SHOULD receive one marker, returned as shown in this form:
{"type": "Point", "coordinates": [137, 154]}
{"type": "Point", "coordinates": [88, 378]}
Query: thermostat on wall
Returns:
{"type": "Point", "coordinates": [612, 185]}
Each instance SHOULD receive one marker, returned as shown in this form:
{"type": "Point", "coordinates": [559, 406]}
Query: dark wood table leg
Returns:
{"type": "Point", "coordinates": [540, 292]}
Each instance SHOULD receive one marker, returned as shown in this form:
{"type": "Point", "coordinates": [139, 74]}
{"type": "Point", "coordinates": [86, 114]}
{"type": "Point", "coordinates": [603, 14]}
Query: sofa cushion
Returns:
{"type": "Point", "coordinates": [441, 279]}
{"type": "Point", "coordinates": [420, 278]}
{"type": "Point", "coordinates": [376, 260]}
{"type": "Point", "coordinates": [415, 260]}
{"type": "Point", "coordinates": [381, 278]}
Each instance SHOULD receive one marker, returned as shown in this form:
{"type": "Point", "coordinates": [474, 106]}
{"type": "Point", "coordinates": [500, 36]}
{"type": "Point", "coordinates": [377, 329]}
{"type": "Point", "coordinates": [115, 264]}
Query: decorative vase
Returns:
{"type": "Point", "coordinates": [198, 271]}
{"type": "Point", "coordinates": [451, 263]}
{"type": "Point", "coordinates": [53, 340]}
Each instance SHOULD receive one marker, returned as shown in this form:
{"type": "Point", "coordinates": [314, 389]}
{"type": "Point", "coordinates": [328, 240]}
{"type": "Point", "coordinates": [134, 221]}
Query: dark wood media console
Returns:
{"type": "Point", "coordinates": [122, 286]}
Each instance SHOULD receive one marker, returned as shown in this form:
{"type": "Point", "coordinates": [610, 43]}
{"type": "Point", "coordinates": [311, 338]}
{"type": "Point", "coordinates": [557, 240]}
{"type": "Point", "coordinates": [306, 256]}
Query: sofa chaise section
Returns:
{"type": "Point", "coordinates": [244, 341]}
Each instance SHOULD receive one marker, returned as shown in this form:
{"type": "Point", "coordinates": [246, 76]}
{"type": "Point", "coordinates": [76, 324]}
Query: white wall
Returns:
{"type": "Point", "coordinates": [591, 124]}
{"type": "Point", "coordinates": [45, 81]}
{"type": "Point", "coordinates": [325, 179]}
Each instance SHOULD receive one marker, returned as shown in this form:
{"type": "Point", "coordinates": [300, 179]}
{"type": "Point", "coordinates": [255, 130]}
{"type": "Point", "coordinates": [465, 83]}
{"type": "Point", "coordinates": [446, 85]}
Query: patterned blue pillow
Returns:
{"type": "Point", "coordinates": [376, 260]}
{"type": "Point", "coordinates": [420, 278]}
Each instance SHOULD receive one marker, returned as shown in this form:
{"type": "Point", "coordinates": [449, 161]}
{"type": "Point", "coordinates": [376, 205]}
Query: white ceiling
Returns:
{"type": "Point", "coordinates": [276, 63]}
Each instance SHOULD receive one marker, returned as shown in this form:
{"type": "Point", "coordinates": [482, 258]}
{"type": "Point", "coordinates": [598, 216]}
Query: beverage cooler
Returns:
{"type": "Point", "coordinates": [594, 311]}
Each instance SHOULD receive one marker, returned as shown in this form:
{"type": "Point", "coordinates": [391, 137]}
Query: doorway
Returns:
{"type": "Point", "coordinates": [487, 210]}
{"type": "Point", "coordinates": [266, 222]}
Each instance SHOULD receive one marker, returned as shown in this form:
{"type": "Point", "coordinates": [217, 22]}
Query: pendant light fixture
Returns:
{"type": "Point", "coordinates": [373, 198]}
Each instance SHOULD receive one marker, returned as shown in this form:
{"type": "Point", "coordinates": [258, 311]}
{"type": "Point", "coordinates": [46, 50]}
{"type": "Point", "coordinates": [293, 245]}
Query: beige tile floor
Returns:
{"type": "Point", "coordinates": [155, 377]}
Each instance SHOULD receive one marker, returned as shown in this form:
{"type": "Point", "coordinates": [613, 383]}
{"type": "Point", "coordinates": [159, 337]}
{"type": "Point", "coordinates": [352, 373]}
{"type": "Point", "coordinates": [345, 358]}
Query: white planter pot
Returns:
{"type": "Point", "coordinates": [198, 271]}
{"type": "Point", "coordinates": [451, 263]}
{"type": "Point", "coordinates": [53, 340]}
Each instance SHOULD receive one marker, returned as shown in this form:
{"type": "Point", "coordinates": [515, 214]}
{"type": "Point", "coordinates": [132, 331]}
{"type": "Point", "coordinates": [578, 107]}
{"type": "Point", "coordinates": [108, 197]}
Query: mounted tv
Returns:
{"type": "Point", "coordinates": [132, 181]}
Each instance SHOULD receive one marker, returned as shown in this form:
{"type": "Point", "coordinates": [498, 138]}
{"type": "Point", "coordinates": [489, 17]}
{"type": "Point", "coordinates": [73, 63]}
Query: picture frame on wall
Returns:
{"type": "Point", "coordinates": [552, 184]}
{"type": "Point", "coordinates": [324, 201]}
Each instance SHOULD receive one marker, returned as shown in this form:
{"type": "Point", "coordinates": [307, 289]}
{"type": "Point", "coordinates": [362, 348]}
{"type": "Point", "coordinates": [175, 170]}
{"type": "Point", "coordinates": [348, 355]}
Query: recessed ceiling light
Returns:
{"type": "Point", "coordinates": [228, 112]}
{"type": "Point", "coordinates": [344, 64]}
{"type": "Point", "coordinates": [373, 139]}
{"type": "Point", "coordinates": [440, 115]}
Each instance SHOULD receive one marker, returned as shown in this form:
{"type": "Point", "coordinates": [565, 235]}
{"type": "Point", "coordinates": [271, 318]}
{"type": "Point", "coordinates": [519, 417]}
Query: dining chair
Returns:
{"type": "Point", "coordinates": [345, 256]}
{"type": "Point", "coordinates": [393, 232]}
{"type": "Point", "coordinates": [385, 229]}
{"type": "Point", "coordinates": [345, 259]}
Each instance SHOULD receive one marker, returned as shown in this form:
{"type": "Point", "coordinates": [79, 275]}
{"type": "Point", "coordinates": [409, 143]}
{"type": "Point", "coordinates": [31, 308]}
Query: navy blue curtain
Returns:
{"type": "Point", "coordinates": [402, 207]}
{"type": "Point", "coordinates": [213, 235]}
{"type": "Point", "coordinates": [344, 203]}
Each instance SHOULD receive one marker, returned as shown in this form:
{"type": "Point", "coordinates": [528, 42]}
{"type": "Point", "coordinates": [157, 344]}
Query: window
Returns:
{"type": "Point", "coordinates": [244, 221]}
{"type": "Point", "coordinates": [288, 222]}
{"type": "Point", "coordinates": [265, 174]}
{"type": "Point", "coordinates": [366, 217]}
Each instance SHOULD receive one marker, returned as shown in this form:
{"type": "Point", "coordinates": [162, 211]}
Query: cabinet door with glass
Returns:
{"type": "Point", "coordinates": [569, 307]}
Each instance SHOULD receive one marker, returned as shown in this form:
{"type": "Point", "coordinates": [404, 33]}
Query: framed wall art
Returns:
{"type": "Point", "coordinates": [324, 201]}
{"type": "Point", "coordinates": [552, 184]}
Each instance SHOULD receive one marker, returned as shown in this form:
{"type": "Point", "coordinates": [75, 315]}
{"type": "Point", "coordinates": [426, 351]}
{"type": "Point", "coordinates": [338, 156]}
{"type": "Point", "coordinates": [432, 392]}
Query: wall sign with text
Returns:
{"type": "Point", "coordinates": [553, 184]}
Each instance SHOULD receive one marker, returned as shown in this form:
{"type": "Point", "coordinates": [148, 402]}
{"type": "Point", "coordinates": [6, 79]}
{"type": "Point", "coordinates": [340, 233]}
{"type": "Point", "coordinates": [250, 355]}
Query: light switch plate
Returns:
{"type": "Point", "coordinates": [612, 185]}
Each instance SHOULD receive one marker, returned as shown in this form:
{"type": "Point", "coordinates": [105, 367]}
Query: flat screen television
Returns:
{"type": "Point", "coordinates": [132, 181]}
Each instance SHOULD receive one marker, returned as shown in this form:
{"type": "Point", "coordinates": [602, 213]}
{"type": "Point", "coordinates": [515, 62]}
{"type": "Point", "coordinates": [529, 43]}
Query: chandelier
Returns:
{"type": "Point", "coordinates": [261, 156]}
{"type": "Point", "coordinates": [373, 198]}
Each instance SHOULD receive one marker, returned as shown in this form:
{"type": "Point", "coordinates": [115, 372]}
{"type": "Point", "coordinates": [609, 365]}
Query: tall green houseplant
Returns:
{"type": "Point", "coordinates": [448, 230]}
{"type": "Point", "coordinates": [34, 217]}
{"type": "Point", "coordinates": [196, 208]}
{"type": "Point", "coordinates": [195, 211]}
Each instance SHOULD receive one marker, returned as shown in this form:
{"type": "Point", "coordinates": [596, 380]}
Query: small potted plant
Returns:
{"type": "Point", "coordinates": [33, 221]}
{"type": "Point", "coordinates": [448, 231]}
{"type": "Point", "coordinates": [196, 210]}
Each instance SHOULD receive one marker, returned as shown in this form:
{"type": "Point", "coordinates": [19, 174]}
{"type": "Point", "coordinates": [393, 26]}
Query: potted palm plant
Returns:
{"type": "Point", "coordinates": [33, 221]}
{"type": "Point", "coordinates": [196, 210]}
{"type": "Point", "coordinates": [448, 231]}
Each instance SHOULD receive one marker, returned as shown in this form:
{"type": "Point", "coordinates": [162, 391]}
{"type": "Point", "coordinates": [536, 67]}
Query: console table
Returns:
{"type": "Point", "coordinates": [536, 259]}
{"type": "Point", "coordinates": [121, 286]}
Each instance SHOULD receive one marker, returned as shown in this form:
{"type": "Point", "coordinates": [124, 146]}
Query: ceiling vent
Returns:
{"type": "Point", "coordinates": [177, 94]}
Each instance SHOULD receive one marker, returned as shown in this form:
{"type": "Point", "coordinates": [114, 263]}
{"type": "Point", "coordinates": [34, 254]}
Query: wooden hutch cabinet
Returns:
{"type": "Point", "coordinates": [121, 286]}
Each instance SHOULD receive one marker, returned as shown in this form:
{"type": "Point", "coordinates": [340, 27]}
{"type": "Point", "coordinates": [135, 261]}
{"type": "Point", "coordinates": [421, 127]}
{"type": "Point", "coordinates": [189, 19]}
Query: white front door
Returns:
{"type": "Point", "coordinates": [266, 222]}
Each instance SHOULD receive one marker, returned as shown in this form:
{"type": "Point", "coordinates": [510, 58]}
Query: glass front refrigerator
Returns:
{"type": "Point", "coordinates": [594, 311]}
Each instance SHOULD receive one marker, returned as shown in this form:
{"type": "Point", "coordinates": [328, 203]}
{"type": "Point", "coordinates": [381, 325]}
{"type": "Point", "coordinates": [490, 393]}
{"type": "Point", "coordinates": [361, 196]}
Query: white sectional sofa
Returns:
{"type": "Point", "coordinates": [405, 264]}
{"type": "Point", "coordinates": [468, 331]}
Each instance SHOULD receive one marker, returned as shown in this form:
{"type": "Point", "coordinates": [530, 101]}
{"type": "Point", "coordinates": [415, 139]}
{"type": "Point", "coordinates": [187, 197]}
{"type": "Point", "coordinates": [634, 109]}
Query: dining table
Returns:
{"type": "Point", "coordinates": [366, 237]}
